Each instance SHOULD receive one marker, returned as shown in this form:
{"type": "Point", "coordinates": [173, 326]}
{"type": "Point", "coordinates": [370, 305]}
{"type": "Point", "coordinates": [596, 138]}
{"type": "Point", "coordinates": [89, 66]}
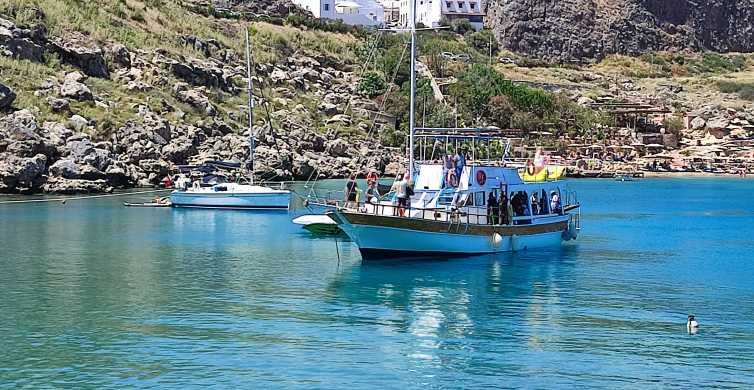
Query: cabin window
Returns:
{"type": "Point", "coordinates": [460, 5]}
{"type": "Point", "coordinates": [448, 4]}
{"type": "Point", "coordinates": [479, 199]}
{"type": "Point", "coordinates": [521, 208]}
{"type": "Point", "coordinates": [473, 6]}
{"type": "Point", "coordinates": [327, 7]}
{"type": "Point", "coordinates": [556, 202]}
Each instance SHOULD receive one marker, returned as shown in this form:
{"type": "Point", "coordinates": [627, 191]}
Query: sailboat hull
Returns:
{"type": "Point", "coordinates": [275, 200]}
{"type": "Point", "coordinates": [381, 237]}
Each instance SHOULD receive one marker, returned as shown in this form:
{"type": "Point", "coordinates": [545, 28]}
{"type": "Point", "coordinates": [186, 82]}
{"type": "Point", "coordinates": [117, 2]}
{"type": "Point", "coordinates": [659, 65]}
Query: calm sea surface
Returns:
{"type": "Point", "coordinates": [96, 295]}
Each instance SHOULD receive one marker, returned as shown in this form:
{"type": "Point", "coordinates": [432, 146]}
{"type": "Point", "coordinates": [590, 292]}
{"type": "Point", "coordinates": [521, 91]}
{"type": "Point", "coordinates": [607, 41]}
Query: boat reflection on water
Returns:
{"type": "Point", "coordinates": [460, 303]}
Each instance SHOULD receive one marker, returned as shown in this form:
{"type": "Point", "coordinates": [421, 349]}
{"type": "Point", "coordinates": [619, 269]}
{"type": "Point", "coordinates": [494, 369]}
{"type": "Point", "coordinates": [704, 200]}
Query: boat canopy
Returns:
{"type": "Point", "coordinates": [210, 166]}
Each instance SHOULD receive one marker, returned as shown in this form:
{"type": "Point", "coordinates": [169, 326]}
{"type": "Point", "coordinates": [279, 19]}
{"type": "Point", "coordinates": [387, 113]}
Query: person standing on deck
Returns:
{"type": "Point", "coordinates": [555, 206]}
{"type": "Point", "coordinates": [402, 194]}
{"type": "Point", "coordinates": [506, 210]}
{"type": "Point", "coordinates": [493, 209]}
{"type": "Point", "coordinates": [447, 166]}
{"type": "Point", "coordinates": [534, 205]}
{"type": "Point", "coordinates": [460, 161]}
{"type": "Point", "coordinates": [352, 188]}
{"type": "Point", "coordinates": [372, 194]}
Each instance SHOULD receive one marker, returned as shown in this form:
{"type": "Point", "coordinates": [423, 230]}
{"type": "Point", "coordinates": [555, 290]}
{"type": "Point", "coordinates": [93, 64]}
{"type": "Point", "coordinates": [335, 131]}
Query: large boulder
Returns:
{"type": "Point", "coordinates": [90, 60]}
{"type": "Point", "coordinates": [207, 47]}
{"type": "Point", "coordinates": [698, 123]}
{"type": "Point", "coordinates": [20, 174]}
{"type": "Point", "coordinates": [119, 55]}
{"type": "Point", "coordinates": [7, 96]}
{"type": "Point", "coordinates": [21, 43]}
{"type": "Point", "coordinates": [61, 185]}
{"type": "Point", "coordinates": [19, 134]}
{"type": "Point", "coordinates": [338, 148]}
{"type": "Point", "coordinates": [718, 123]}
{"type": "Point", "coordinates": [179, 150]}
{"type": "Point", "coordinates": [66, 168]}
{"type": "Point", "coordinates": [197, 99]}
{"type": "Point", "coordinates": [203, 74]}
{"type": "Point", "coordinates": [74, 88]}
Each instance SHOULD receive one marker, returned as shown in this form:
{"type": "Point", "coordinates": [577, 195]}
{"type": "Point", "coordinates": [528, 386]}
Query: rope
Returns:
{"type": "Point", "coordinates": [81, 197]}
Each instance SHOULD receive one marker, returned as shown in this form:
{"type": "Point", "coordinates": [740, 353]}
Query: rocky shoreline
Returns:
{"type": "Point", "coordinates": [68, 156]}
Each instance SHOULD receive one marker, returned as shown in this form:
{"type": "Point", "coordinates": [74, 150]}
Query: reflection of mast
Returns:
{"type": "Point", "coordinates": [412, 27]}
{"type": "Point", "coordinates": [252, 141]}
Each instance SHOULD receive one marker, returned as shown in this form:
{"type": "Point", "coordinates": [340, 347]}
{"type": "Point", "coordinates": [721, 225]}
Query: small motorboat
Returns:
{"type": "Point", "coordinates": [623, 177]}
{"type": "Point", "coordinates": [157, 202]}
{"type": "Point", "coordinates": [318, 224]}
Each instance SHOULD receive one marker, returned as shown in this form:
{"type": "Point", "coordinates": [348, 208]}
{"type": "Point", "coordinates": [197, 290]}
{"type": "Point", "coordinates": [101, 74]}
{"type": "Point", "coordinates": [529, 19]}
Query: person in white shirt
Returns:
{"type": "Point", "coordinates": [402, 195]}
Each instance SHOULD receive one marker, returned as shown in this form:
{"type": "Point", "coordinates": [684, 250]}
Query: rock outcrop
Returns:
{"type": "Point", "coordinates": [21, 43]}
{"type": "Point", "coordinates": [7, 96]}
{"type": "Point", "coordinates": [567, 30]}
{"type": "Point", "coordinates": [91, 60]}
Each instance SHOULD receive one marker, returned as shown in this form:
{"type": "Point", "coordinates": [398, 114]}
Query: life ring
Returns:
{"type": "Point", "coordinates": [481, 177]}
{"type": "Point", "coordinates": [372, 177]}
{"type": "Point", "coordinates": [530, 170]}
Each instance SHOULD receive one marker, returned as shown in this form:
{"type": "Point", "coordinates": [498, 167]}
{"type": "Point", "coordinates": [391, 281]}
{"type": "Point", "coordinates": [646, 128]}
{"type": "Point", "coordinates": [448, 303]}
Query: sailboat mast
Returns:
{"type": "Point", "coordinates": [252, 141]}
{"type": "Point", "coordinates": [412, 109]}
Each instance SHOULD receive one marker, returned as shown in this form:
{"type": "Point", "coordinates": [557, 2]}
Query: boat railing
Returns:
{"type": "Point", "coordinates": [457, 218]}
{"type": "Point", "coordinates": [571, 198]}
{"type": "Point", "coordinates": [575, 219]}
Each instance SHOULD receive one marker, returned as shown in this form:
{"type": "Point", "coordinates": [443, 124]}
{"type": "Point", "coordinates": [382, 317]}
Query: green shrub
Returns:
{"type": "Point", "coordinates": [673, 125]}
{"type": "Point", "coordinates": [481, 41]}
{"type": "Point", "coordinates": [372, 84]}
{"type": "Point", "coordinates": [461, 26]}
{"type": "Point", "coordinates": [710, 62]}
{"type": "Point", "coordinates": [526, 121]}
{"type": "Point", "coordinates": [501, 111]}
{"type": "Point", "coordinates": [744, 90]}
{"type": "Point", "coordinates": [747, 92]}
{"type": "Point", "coordinates": [480, 83]}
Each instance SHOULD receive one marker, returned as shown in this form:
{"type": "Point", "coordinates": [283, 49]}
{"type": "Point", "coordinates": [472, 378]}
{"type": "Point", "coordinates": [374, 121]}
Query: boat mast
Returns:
{"type": "Point", "coordinates": [412, 27]}
{"type": "Point", "coordinates": [252, 141]}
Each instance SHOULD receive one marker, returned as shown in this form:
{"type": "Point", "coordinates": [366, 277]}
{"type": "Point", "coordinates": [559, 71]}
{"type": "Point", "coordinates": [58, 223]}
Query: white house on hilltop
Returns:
{"type": "Point", "coordinates": [431, 12]}
{"type": "Point", "coordinates": [354, 12]}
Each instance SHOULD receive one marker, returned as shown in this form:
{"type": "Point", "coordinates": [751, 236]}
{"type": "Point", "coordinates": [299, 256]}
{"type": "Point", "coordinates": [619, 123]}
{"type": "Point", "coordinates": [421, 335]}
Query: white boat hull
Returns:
{"type": "Point", "coordinates": [379, 242]}
{"type": "Point", "coordinates": [270, 199]}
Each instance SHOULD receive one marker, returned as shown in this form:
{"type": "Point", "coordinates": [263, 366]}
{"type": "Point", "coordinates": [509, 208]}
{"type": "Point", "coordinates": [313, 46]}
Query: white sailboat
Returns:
{"type": "Point", "coordinates": [445, 219]}
{"type": "Point", "coordinates": [236, 195]}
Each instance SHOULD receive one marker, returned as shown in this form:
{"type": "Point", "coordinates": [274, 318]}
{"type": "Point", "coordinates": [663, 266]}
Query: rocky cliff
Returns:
{"type": "Point", "coordinates": [567, 30]}
{"type": "Point", "coordinates": [84, 109]}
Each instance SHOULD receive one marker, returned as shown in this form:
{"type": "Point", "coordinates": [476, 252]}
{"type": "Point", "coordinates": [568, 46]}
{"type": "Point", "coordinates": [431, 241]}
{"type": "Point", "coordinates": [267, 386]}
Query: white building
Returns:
{"type": "Point", "coordinates": [354, 12]}
{"type": "Point", "coordinates": [392, 10]}
{"type": "Point", "coordinates": [431, 12]}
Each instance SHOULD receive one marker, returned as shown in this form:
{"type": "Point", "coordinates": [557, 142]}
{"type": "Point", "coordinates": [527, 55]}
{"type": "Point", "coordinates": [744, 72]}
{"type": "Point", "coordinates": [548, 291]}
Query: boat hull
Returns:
{"type": "Point", "coordinates": [381, 237]}
{"type": "Point", "coordinates": [273, 200]}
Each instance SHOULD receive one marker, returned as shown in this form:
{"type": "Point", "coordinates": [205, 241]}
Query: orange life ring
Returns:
{"type": "Point", "coordinates": [530, 170]}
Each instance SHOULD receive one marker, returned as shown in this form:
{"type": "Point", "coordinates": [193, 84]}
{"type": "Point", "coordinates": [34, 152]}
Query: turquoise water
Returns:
{"type": "Point", "coordinates": [96, 295]}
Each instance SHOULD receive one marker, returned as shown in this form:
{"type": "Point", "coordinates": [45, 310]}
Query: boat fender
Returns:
{"type": "Point", "coordinates": [514, 243]}
{"type": "Point", "coordinates": [497, 239]}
